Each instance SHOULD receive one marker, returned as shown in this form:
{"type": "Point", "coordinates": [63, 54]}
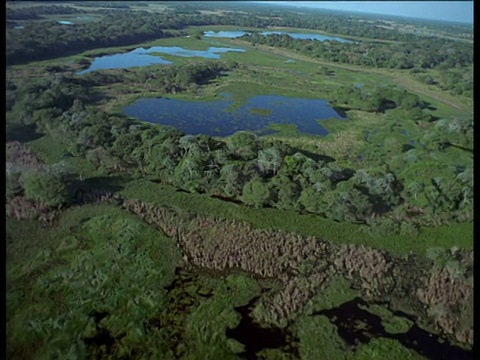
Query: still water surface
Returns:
{"type": "Point", "coordinates": [143, 57]}
{"type": "Point", "coordinates": [301, 36]}
{"type": "Point", "coordinates": [219, 118]}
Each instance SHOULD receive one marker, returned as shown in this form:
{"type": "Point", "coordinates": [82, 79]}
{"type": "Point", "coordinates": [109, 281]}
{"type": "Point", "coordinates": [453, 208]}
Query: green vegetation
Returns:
{"type": "Point", "coordinates": [130, 240]}
{"type": "Point", "coordinates": [263, 112]}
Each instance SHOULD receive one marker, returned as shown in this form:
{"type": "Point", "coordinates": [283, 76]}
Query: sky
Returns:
{"type": "Point", "coordinates": [458, 11]}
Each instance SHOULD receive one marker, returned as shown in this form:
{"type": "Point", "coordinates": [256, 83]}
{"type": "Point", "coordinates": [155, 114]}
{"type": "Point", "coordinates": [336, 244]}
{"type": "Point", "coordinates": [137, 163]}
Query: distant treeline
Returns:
{"type": "Point", "coordinates": [36, 12]}
{"type": "Point", "coordinates": [422, 53]}
{"type": "Point", "coordinates": [46, 40]}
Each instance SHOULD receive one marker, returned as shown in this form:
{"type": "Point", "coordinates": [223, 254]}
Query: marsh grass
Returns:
{"type": "Point", "coordinates": [381, 348]}
{"type": "Point", "coordinates": [392, 324]}
{"type": "Point", "coordinates": [308, 225]}
{"type": "Point", "coordinates": [400, 77]}
{"type": "Point", "coordinates": [205, 328]}
{"type": "Point", "coordinates": [97, 259]}
{"type": "Point", "coordinates": [319, 339]}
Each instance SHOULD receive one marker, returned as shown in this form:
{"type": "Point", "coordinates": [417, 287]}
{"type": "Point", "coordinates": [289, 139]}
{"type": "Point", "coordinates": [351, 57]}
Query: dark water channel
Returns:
{"type": "Point", "coordinates": [355, 325]}
{"type": "Point", "coordinates": [253, 336]}
{"type": "Point", "coordinates": [218, 118]}
{"type": "Point", "coordinates": [348, 315]}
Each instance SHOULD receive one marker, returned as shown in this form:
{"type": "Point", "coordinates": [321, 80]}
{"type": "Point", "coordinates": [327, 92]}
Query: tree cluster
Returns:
{"type": "Point", "coordinates": [36, 12]}
{"type": "Point", "coordinates": [422, 53]}
{"type": "Point", "coordinates": [380, 99]}
{"type": "Point", "coordinates": [43, 40]}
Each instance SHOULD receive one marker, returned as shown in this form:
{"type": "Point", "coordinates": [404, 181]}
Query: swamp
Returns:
{"type": "Point", "coordinates": [230, 180]}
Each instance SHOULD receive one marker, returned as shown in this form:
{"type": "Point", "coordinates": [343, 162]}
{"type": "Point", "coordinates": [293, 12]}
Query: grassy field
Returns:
{"type": "Point", "coordinates": [460, 235]}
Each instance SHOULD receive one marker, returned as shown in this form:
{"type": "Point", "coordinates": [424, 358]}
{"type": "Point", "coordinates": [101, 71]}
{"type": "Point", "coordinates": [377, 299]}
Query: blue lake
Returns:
{"type": "Point", "coordinates": [218, 118]}
{"type": "Point", "coordinates": [301, 36]}
{"type": "Point", "coordinates": [142, 57]}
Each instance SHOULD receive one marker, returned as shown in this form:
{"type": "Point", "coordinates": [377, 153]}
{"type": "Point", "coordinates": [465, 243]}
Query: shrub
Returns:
{"type": "Point", "coordinates": [46, 188]}
{"type": "Point", "coordinates": [256, 193]}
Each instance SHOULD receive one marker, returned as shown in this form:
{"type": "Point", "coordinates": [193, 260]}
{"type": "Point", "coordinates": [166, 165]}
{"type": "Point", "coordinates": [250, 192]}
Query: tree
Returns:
{"type": "Point", "coordinates": [231, 178]}
{"type": "Point", "coordinates": [189, 144]}
{"type": "Point", "coordinates": [125, 144]}
{"type": "Point", "coordinates": [257, 193]}
{"type": "Point", "coordinates": [96, 156]}
{"type": "Point", "coordinates": [298, 166]}
{"type": "Point", "coordinates": [324, 70]}
{"type": "Point", "coordinates": [243, 145]}
{"type": "Point", "coordinates": [47, 188]}
{"type": "Point", "coordinates": [287, 192]}
{"type": "Point", "coordinates": [189, 174]}
{"type": "Point", "coordinates": [311, 201]}
{"type": "Point", "coordinates": [269, 160]}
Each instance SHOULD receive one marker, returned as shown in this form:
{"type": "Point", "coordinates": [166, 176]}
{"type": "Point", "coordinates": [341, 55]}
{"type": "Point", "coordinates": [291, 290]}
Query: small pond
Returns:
{"type": "Point", "coordinates": [301, 36]}
{"type": "Point", "coordinates": [65, 22]}
{"type": "Point", "coordinates": [143, 57]}
{"type": "Point", "coordinates": [219, 118]}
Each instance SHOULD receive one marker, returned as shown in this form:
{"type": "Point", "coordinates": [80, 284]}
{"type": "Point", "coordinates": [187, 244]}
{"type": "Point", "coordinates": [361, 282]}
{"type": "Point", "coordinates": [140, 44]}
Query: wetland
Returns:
{"type": "Point", "coordinates": [143, 57]}
{"type": "Point", "coordinates": [294, 35]}
{"type": "Point", "coordinates": [186, 181]}
{"type": "Point", "coordinates": [221, 118]}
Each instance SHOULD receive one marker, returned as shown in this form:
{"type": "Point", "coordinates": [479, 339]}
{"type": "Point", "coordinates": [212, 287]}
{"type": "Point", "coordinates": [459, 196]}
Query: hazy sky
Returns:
{"type": "Point", "coordinates": [461, 11]}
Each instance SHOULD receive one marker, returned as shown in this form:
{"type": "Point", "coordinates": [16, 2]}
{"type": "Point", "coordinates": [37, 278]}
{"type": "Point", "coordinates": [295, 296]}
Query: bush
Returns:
{"type": "Point", "coordinates": [46, 188]}
{"type": "Point", "coordinates": [257, 193]}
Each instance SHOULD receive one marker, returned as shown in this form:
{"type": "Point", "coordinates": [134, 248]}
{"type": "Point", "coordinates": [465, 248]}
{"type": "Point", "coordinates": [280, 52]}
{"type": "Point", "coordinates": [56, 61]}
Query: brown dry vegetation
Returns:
{"type": "Point", "coordinates": [369, 266]}
{"type": "Point", "coordinates": [19, 154]}
{"type": "Point", "coordinates": [447, 295]}
{"type": "Point", "coordinates": [20, 208]}
{"type": "Point", "coordinates": [305, 265]}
